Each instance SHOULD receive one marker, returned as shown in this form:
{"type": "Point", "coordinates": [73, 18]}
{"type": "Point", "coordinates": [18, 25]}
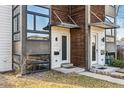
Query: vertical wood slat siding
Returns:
{"type": "Point", "coordinates": [5, 38]}
{"type": "Point", "coordinates": [99, 10]}
{"type": "Point", "coordinates": [78, 36]}
{"type": "Point", "coordinates": [62, 11]}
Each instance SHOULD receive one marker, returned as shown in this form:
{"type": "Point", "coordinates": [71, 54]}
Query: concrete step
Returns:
{"type": "Point", "coordinates": [67, 65]}
{"type": "Point", "coordinates": [101, 70]}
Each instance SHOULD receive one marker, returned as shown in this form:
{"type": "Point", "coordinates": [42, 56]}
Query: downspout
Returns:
{"type": "Point", "coordinates": [87, 36]}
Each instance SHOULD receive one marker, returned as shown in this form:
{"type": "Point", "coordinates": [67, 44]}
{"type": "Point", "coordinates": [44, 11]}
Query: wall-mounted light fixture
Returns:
{"type": "Point", "coordinates": [103, 39]}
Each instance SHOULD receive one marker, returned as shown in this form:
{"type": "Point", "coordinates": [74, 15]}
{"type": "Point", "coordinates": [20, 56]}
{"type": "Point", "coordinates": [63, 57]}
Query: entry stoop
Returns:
{"type": "Point", "coordinates": [105, 70]}
{"type": "Point", "coordinates": [67, 65]}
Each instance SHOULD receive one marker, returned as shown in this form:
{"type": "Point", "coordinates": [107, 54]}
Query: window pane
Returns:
{"type": "Point", "coordinates": [109, 18]}
{"type": "Point", "coordinates": [17, 10]}
{"type": "Point", "coordinates": [30, 22]}
{"type": "Point", "coordinates": [37, 36]}
{"type": "Point", "coordinates": [15, 24]}
{"type": "Point", "coordinates": [113, 32]}
{"type": "Point", "coordinates": [18, 22]}
{"type": "Point", "coordinates": [17, 36]}
{"type": "Point", "coordinates": [108, 32]}
{"type": "Point", "coordinates": [109, 39]}
{"type": "Point", "coordinates": [38, 9]}
{"type": "Point", "coordinates": [42, 23]}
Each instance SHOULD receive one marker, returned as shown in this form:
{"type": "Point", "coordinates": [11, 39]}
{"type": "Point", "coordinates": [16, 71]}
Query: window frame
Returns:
{"type": "Point", "coordinates": [34, 24]}
{"type": "Point", "coordinates": [18, 23]}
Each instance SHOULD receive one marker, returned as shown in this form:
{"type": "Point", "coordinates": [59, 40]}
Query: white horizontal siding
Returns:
{"type": "Point", "coordinates": [5, 38]}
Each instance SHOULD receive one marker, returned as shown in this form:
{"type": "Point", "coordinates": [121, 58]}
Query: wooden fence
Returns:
{"type": "Point", "coordinates": [120, 52]}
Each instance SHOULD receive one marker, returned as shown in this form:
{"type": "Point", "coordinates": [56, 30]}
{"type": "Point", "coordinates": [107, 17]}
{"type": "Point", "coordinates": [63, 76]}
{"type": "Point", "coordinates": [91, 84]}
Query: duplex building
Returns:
{"type": "Point", "coordinates": [37, 38]}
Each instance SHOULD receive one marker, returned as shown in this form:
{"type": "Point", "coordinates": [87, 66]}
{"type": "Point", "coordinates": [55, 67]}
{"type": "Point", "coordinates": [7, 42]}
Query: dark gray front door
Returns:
{"type": "Point", "coordinates": [64, 47]}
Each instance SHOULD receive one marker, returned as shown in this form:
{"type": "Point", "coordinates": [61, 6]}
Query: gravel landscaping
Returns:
{"type": "Point", "coordinates": [52, 79]}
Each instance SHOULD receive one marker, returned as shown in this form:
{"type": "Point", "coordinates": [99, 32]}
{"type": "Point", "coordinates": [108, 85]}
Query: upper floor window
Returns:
{"type": "Point", "coordinates": [38, 9]}
{"type": "Point", "coordinates": [38, 22]}
{"type": "Point", "coordinates": [110, 32]}
{"type": "Point", "coordinates": [42, 23]}
{"type": "Point", "coordinates": [16, 23]}
{"type": "Point", "coordinates": [108, 19]}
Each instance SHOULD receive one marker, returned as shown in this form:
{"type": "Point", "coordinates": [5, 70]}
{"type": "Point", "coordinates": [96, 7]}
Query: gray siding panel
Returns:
{"type": "Point", "coordinates": [5, 38]}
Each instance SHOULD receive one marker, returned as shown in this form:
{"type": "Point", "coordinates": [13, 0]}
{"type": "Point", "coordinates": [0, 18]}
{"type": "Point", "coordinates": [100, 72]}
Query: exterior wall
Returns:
{"type": "Point", "coordinates": [58, 32]}
{"type": "Point", "coordinates": [99, 10]}
{"type": "Point", "coordinates": [62, 11]}
{"type": "Point", "coordinates": [111, 47]}
{"type": "Point", "coordinates": [109, 10]}
{"type": "Point", "coordinates": [100, 44]}
{"type": "Point", "coordinates": [111, 40]}
{"type": "Point", "coordinates": [5, 38]}
{"type": "Point", "coordinates": [78, 36]}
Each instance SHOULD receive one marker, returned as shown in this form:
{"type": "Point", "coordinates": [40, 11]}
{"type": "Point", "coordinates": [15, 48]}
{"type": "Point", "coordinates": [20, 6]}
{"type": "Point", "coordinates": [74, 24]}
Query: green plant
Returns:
{"type": "Point", "coordinates": [117, 63]}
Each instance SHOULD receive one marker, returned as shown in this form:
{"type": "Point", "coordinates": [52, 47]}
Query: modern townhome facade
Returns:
{"type": "Point", "coordinates": [38, 38]}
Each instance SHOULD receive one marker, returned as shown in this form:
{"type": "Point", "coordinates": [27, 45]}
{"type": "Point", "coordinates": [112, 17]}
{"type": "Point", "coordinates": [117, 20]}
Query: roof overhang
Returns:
{"type": "Point", "coordinates": [105, 25]}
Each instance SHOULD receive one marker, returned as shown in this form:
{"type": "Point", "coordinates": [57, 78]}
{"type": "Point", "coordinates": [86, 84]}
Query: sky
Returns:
{"type": "Point", "coordinates": [120, 22]}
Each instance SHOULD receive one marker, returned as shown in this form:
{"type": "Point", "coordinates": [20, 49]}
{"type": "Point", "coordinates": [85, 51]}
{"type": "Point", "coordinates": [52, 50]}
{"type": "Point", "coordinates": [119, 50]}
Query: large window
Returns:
{"type": "Point", "coordinates": [16, 30]}
{"type": "Point", "coordinates": [16, 23]}
{"type": "Point", "coordinates": [110, 32]}
{"type": "Point", "coordinates": [38, 24]}
{"type": "Point", "coordinates": [38, 9]}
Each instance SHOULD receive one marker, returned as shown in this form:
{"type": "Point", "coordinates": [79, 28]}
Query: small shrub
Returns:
{"type": "Point", "coordinates": [118, 63]}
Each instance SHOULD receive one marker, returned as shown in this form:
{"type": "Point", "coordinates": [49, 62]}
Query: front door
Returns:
{"type": "Point", "coordinates": [60, 47]}
{"type": "Point", "coordinates": [94, 48]}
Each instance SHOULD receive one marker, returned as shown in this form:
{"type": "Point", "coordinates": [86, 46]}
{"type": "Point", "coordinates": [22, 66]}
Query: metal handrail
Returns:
{"type": "Point", "coordinates": [61, 20]}
{"type": "Point", "coordinates": [58, 17]}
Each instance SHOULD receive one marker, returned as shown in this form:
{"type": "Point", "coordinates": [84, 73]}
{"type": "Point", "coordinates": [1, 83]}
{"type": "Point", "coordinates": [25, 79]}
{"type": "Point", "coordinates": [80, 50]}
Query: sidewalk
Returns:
{"type": "Point", "coordinates": [103, 77]}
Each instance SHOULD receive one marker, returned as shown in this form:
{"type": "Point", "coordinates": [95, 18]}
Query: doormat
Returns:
{"type": "Point", "coordinates": [102, 68]}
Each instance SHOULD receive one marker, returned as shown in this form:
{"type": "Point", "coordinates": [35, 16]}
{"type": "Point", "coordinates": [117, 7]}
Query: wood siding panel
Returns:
{"type": "Point", "coordinates": [62, 11]}
{"type": "Point", "coordinates": [99, 10]}
{"type": "Point", "coordinates": [78, 36]}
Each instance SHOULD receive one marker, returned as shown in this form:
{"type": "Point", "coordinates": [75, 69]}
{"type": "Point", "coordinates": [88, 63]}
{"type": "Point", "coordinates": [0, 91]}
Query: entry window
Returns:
{"type": "Point", "coordinates": [94, 48]}
{"type": "Point", "coordinates": [64, 47]}
{"type": "Point", "coordinates": [38, 23]}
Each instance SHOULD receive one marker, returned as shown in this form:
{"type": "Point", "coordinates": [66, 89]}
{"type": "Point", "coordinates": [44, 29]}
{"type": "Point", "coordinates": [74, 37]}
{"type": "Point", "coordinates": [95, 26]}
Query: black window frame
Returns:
{"type": "Point", "coordinates": [34, 18]}
{"type": "Point", "coordinates": [112, 31]}
{"type": "Point", "coordinates": [18, 18]}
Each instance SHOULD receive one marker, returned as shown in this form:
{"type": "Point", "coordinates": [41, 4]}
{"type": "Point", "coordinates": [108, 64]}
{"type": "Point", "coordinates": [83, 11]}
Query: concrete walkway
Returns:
{"type": "Point", "coordinates": [69, 70]}
{"type": "Point", "coordinates": [103, 77]}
